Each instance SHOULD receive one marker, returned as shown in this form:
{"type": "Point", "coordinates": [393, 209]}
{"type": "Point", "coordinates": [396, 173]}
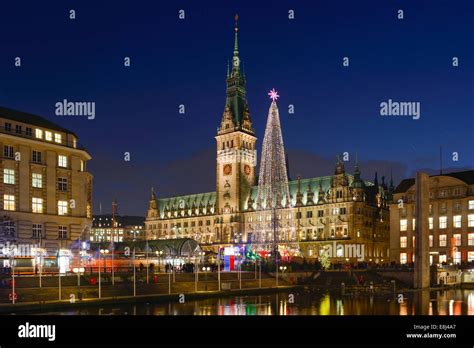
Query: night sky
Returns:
{"type": "Point", "coordinates": [174, 62]}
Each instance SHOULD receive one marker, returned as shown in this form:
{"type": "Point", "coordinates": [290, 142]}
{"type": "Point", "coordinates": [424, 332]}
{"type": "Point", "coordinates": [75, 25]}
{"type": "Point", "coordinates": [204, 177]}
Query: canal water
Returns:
{"type": "Point", "coordinates": [303, 302]}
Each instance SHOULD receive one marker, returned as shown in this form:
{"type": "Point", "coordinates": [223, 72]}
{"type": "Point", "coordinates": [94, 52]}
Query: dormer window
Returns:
{"type": "Point", "coordinates": [39, 133]}
{"type": "Point", "coordinates": [48, 136]}
{"type": "Point", "coordinates": [57, 138]}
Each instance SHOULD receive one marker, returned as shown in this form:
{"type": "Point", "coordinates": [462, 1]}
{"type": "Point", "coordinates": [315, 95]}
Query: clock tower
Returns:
{"type": "Point", "coordinates": [236, 151]}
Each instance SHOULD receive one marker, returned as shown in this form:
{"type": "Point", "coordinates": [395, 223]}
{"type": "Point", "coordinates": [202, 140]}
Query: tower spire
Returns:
{"type": "Point", "coordinates": [236, 41]}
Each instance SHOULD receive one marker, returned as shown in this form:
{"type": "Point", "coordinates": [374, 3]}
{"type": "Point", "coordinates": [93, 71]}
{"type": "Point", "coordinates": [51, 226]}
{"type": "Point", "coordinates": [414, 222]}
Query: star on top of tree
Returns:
{"type": "Point", "coordinates": [273, 94]}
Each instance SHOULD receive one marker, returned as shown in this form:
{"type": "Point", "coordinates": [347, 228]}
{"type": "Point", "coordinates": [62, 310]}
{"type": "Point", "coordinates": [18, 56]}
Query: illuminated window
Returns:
{"type": "Point", "coordinates": [413, 224]}
{"type": "Point", "coordinates": [48, 136]}
{"type": "Point", "coordinates": [413, 241]}
{"type": "Point", "coordinates": [62, 161]}
{"type": "Point", "coordinates": [8, 202]}
{"type": "Point", "coordinates": [335, 211]}
{"type": "Point", "coordinates": [403, 224]}
{"type": "Point", "coordinates": [431, 240]}
{"type": "Point", "coordinates": [9, 176]}
{"type": "Point", "coordinates": [403, 242]}
{"type": "Point", "coordinates": [457, 221]}
{"type": "Point", "coordinates": [62, 207]}
{"type": "Point", "coordinates": [37, 180]}
{"type": "Point", "coordinates": [39, 133]}
{"type": "Point", "coordinates": [470, 256]}
{"type": "Point", "coordinates": [471, 204]}
{"type": "Point", "coordinates": [457, 239]}
{"type": "Point", "coordinates": [37, 205]}
{"type": "Point", "coordinates": [457, 257]}
{"type": "Point", "coordinates": [430, 223]}
{"type": "Point", "coordinates": [442, 258]}
{"type": "Point", "coordinates": [403, 258]}
{"type": "Point", "coordinates": [57, 138]}
{"type": "Point", "coordinates": [470, 239]}
{"type": "Point", "coordinates": [470, 220]}
{"type": "Point", "coordinates": [443, 222]}
{"type": "Point", "coordinates": [442, 240]}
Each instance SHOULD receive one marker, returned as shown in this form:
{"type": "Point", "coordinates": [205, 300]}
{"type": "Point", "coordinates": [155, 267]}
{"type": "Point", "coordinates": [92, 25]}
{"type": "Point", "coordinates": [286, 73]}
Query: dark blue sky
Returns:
{"type": "Point", "coordinates": [184, 62]}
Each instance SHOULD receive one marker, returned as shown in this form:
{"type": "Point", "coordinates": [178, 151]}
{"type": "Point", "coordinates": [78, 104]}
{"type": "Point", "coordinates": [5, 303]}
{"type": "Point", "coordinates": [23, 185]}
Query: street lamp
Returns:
{"type": "Point", "coordinates": [158, 259]}
{"type": "Point", "coordinates": [196, 269]}
{"type": "Point", "coordinates": [78, 271]}
{"type": "Point", "coordinates": [205, 270]}
{"type": "Point", "coordinates": [101, 252]}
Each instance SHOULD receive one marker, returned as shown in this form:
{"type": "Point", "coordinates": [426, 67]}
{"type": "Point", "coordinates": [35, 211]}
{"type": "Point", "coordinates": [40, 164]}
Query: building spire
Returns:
{"type": "Point", "coordinates": [236, 41]}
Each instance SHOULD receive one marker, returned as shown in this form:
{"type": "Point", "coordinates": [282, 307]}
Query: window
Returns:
{"type": "Point", "coordinates": [457, 239]}
{"type": "Point", "coordinates": [9, 229]}
{"type": "Point", "coordinates": [442, 240]}
{"type": "Point", "coordinates": [8, 202]}
{"type": "Point", "coordinates": [413, 224]}
{"type": "Point", "coordinates": [430, 223]}
{"type": "Point", "coordinates": [62, 161]}
{"type": "Point", "coordinates": [37, 230]}
{"type": "Point", "coordinates": [338, 194]}
{"type": "Point", "coordinates": [431, 240]}
{"type": "Point", "coordinates": [335, 211]}
{"type": "Point", "coordinates": [443, 222]}
{"type": "Point", "coordinates": [57, 138]}
{"type": "Point", "coordinates": [470, 256]}
{"type": "Point", "coordinates": [208, 222]}
{"type": "Point", "coordinates": [403, 224]}
{"type": "Point", "coordinates": [471, 204]}
{"type": "Point", "coordinates": [320, 213]}
{"type": "Point", "coordinates": [457, 257]}
{"type": "Point", "coordinates": [413, 241]}
{"type": "Point", "coordinates": [200, 223]}
{"type": "Point", "coordinates": [8, 127]}
{"type": "Point", "coordinates": [309, 214]}
{"type": "Point", "coordinates": [39, 133]}
{"type": "Point", "coordinates": [342, 211]}
{"type": "Point", "coordinates": [8, 151]}
{"type": "Point", "coordinates": [37, 205]}
{"type": "Point", "coordinates": [457, 206]}
{"type": "Point", "coordinates": [298, 215]}
{"type": "Point", "coordinates": [470, 220]}
{"type": "Point", "coordinates": [62, 207]}
{"type": "Point", "coordinates": [403, 242]}
{"type": "Point", "coordinates": [457, 221]}
{"type": "Point", "coordinates": [470, 239]}
{"type": "Point", "coordinates": [62, 184]}
{"type": "Point", "coordinates": [37, 180]}
{"type": "Point", "coordinates": [9, 176]}
{"type": "Point", "coordinates": [62, 232]}
{"type": "Point", "coordinates": [36, 156]}
{"type": "Point", "coordinates": [18, 129]}
{"type": "Point", "coordinates": [29, 131]}
{"type": "Point", "coordinates": [403, 258]}
{"type": "Point", "coordinates": [48, 135]}
{"type": "Point", "coordinates": [442, 258]}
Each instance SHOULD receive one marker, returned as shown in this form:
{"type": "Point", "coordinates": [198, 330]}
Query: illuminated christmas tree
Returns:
{"type": "Point", "coordinates": [273, 192]}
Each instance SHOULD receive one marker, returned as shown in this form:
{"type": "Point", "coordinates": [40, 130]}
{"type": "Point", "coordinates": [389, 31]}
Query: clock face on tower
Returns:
{"type": "Point", "coordinates": [227, 169]}
{"type": "Point", "coordinates": [247, 169]}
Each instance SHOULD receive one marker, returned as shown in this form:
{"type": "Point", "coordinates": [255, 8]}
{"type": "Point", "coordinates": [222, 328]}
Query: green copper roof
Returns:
{"type": "Point", "coordinates": [205, 200]}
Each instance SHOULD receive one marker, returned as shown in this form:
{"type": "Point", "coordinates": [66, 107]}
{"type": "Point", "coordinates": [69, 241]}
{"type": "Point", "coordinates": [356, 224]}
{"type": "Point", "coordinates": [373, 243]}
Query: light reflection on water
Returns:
{"type": "Point", "coordinates": [450, 302]}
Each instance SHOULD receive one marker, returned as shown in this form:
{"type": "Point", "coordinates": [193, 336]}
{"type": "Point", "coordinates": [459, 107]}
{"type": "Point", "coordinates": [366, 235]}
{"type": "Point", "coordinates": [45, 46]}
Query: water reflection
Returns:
{"type": "Point", "coordinates": [450, 302]}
